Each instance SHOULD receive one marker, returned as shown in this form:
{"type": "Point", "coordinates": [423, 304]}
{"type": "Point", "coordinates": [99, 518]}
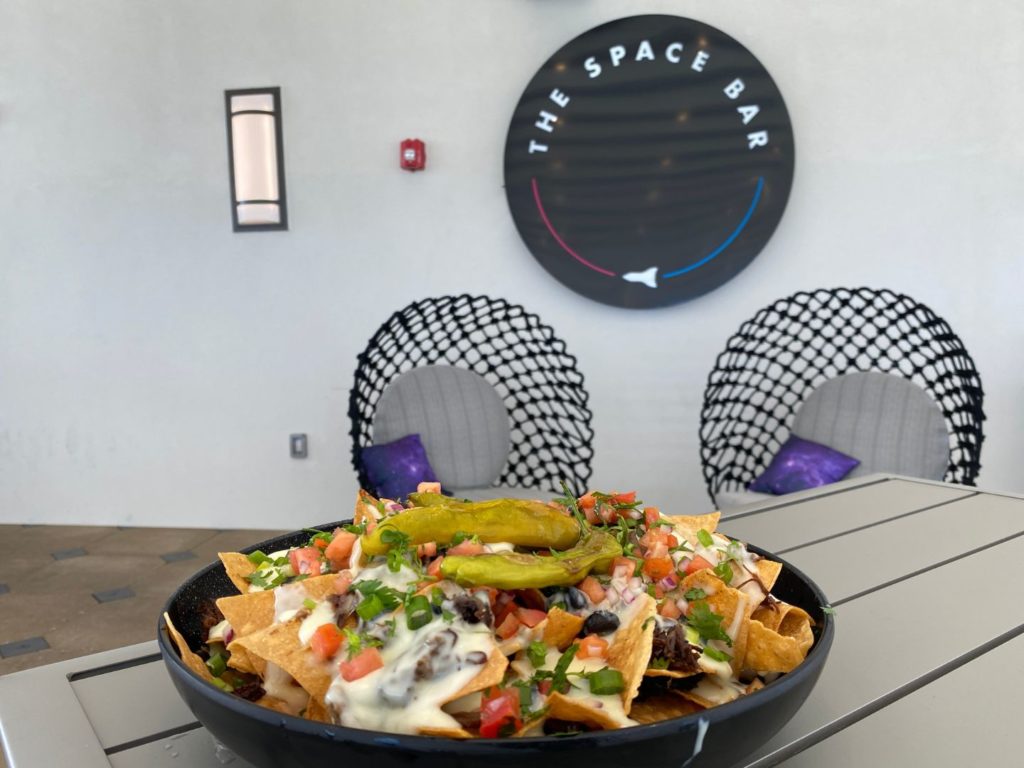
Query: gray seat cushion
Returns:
{"type": "Point", "coordinates": [887, 422]}
{"type": "Point", "coordinates": [459, 417]}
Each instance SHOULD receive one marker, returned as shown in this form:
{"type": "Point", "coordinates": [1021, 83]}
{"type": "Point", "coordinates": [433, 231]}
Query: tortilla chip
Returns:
{"type": "Point", "coordinates": [253, 611]}
{"type": "Point", "coordinates": [673, 673]}
{"type": "Point", "coordinates": [630, 650]}
{"type": "Point", "coordinates": [491, 674]}
{"type": "Point", "coordinates": [561, 628]}
{"type": "Point", "coordinates": [561, 707]}
{"type": "Point", "coordinates": [787, 620]}
{"type": "Point", "coordinates": [274, 703]}
{"type": "Point", "coordinates": [688, 525]}
{"type": "Point", "coordinates": [279, 644]}
{"type": "Point", "coordinates": [241, 660]}
{"type": "Point", "coordinates": [700, 694]}
{"type": "Point", "coordinates": [768, 572]}
{"type": "Point", "coordinates": [237, 566]}
{"type": "Point", "coordinates": [366, 509]}
{"type": "Point", "coordinates": [733, 605]}
{"type": "Point", "coordinates": [768, 651]}
{"type": "Point", "coordinates": [316, 710]}
{"type": "Point", "coordinates": [192, 660]}
{"type": "Point", "coordinates": [662, 706]}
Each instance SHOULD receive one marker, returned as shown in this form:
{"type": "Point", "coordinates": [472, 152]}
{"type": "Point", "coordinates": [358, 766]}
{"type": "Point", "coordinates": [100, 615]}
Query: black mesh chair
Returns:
{"type": "Point", "coordinates": [549, 432]}
{"type": "Point", "coordinates": [782, 354]}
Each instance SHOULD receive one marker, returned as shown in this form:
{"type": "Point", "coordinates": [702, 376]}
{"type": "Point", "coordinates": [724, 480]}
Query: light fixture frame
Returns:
{"type": "Point", "coordinates": [282, 200]}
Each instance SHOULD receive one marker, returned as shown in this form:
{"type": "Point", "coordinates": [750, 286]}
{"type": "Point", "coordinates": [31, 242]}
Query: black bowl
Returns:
{"type": "Point", "coordinates": [269, 739]}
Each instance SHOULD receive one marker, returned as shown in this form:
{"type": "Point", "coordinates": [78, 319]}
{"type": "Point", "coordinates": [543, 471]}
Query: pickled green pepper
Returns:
{"type": "Point", "coordinates": [520, 522]}
{"type": "Point", "coordinates": [513, 570]}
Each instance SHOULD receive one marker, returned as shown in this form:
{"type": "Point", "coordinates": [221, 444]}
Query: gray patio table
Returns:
{"type": "Point", "coordinates": [927, 667]}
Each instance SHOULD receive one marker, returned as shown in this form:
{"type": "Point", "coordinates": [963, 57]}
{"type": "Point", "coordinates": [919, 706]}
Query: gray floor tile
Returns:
{"type": "Point", "coordinates": [174, 557]}
{"type": "Point", "coordinates": [110, 595]}
{"type": "Point", "coordinates": [17, 648]}
{"type": "Point", "coordinates": [65, 554]}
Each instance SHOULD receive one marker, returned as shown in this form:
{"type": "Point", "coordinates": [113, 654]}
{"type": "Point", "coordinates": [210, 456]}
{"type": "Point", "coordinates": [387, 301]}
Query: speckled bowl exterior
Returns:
{"type": "Point", "coordinates": [714, 738]}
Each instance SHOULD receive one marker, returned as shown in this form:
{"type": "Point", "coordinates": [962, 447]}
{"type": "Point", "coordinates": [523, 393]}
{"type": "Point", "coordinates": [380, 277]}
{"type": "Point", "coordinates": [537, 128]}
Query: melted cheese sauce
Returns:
{"type": "Point", "coordinates": [400, 698]}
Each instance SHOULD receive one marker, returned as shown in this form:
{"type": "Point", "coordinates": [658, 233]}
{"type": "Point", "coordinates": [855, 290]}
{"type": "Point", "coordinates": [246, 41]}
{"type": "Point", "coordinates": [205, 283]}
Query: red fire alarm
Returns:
{"type": "Point", "coordinates": [414, 155]}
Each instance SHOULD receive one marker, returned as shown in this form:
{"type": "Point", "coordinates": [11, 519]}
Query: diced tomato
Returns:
{"type": "Point", "coordinates": [669, 609]}
{"type": "Point", "coordinates": [360, 665]}
{"type": "Point", "coordinates": [500, 713]}
{"type": "Point", "coordinates": [657, 568]}
{"type": "Point", "coordinates": [508, 627]}
{"type": "Point", "coordinates": [627, 565]}
{"type": "Point", "coordinates": [325, 641]}
{"type": "Point", "coordinates": [659, 591]}
{"type": "Point", "coordinates": [428, 488]}
{"type": "Point", "coordinates": [651, 516]}
{"type": "Point", "coordinates": [624, 498]}
{"type": "Point", "coordinates": [592, 647]}
{"type": "Point", "coordinates": [608, 513]}
{"type": "Point", "coordinates": [530, 616]}
{"type": "Point", "coordinates": [305, 560]}
{"type": "Point", "coordinates": [467, 547]}
{"type": "Point", "coordinates": [587, 501]}
{"type": "Point", "coordinates": [320, 544]}
{"type": "Point", "coordinates": [592, 588]}
{"type": "Point", "coordinates": [340, 548]}
{"type": "Point", "coordinates": [343, 582]}
{"type": "Point", "coordinates": [428, 549]}
{"type": "Point", "coordinates": [660, 549]}
{"type": "Point", "coordinates": [672, 541]}
{"type": "Point", "coordinates": [434, 569]}
{"type": "Point", "coordinates": [698, 563]}
{"type": "Point", "coordinates": [591, 515]}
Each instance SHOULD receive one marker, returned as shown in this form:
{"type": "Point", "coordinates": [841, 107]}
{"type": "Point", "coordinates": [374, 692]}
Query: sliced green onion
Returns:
{"type": "Point", "coordinates": [418, 612]}
{"type": "Point", "coordinates": [309, 604]}
{"type": "Point", "coordinates": [369, 607]}
{"type": "Point", "coordinates": [705, 538]}
{"type": "Point", "coordinates": [257, 557]}
{"type": "Point", "coordinates": [724, 571]}
{"type": "Point", "coordinates": [606, 681]}
{"type": "Point", "coordinates": [716, 654]}
{"type": "Point", "coordinates": [217, 664]}
{"type": "Point", "coordinates": [224, 686]}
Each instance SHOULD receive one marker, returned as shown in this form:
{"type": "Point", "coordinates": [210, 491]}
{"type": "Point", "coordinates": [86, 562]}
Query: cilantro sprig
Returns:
{"type": "Point", "coordinates": [707, 623]}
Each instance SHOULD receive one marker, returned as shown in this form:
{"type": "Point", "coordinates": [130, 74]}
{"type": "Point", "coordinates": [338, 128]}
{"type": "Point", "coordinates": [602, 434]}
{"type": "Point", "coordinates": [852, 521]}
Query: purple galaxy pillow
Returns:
{"type": "Point", "coordinates": [396, 468]}
{"type": "Point", "coordinates": [802, 464]}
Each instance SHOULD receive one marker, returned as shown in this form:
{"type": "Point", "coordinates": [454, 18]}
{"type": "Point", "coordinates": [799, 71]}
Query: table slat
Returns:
{"type": "Point", "coordinates": [893, 637]}
{"type": "Point", "coordinates": [193, 749]}
{"type": "Point", "coordinates": [781, 528]}
{"type": "Point", "coordinates": [939, 725]}
{"type": "Point", "coordinates": [111, 702]}
{"type": "Point", "coordinates": [863, 560]}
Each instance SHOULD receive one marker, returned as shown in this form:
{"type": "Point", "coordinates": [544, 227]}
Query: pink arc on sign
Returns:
{"type": "Point", "coordinates": [558, 239]}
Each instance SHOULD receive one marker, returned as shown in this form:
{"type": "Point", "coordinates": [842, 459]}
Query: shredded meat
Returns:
{"type": "Point", "coordinates": [670, 644]}
{"type": "Point", "coordinates": [343, 606]}
{"type": "Point", "coordinates": [251, 691]}
{"type": "Point", "coordinates": [209, 616]}
{"type": "Point", "coordinates": [438, 656]}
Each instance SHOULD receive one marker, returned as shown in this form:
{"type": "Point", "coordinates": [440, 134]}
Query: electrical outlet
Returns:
{"type": "Point", "coordinates": [298, 445]}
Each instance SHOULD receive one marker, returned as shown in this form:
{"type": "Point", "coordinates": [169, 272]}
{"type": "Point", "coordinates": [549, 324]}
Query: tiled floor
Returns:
{"type": "Point", "coordinates": [67, 591]}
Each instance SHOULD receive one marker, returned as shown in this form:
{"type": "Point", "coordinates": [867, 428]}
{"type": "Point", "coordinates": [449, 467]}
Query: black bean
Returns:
{"type": "Point", "coordinates": [576, 598]}
{"type": "Point", "coordinates": [600, 623]}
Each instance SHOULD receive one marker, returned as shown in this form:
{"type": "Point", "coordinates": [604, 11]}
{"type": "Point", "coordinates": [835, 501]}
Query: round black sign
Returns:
{"type": "Point", "coordinates": [648, 161]}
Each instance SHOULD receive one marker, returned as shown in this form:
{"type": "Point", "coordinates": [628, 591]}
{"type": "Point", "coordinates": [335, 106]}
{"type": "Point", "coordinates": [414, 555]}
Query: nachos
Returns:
{"type": "Point", "coordinates": [501, 618]}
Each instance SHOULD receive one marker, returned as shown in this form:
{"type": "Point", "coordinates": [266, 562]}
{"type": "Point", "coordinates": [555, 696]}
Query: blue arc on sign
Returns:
{"type": "Point", "coordinates": [728, 240]}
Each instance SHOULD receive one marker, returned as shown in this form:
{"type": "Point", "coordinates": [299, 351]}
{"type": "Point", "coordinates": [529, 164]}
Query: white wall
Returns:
{"type": "Point", "coordinates": [153, 363]}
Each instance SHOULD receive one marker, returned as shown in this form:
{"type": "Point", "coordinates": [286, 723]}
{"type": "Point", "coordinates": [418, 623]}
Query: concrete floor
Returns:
{"type": "Point", "coordinates": [67, 591]}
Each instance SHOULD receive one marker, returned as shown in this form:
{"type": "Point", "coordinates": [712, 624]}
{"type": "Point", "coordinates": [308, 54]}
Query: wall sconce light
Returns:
{"type": "Point", "coordinates": [256, 159]}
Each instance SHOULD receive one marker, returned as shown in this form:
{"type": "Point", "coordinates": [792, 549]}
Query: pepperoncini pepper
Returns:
{"type": "Point", "coordinates": [523, 523]}
{"type": "Point", "coordinates": [513, 570]}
